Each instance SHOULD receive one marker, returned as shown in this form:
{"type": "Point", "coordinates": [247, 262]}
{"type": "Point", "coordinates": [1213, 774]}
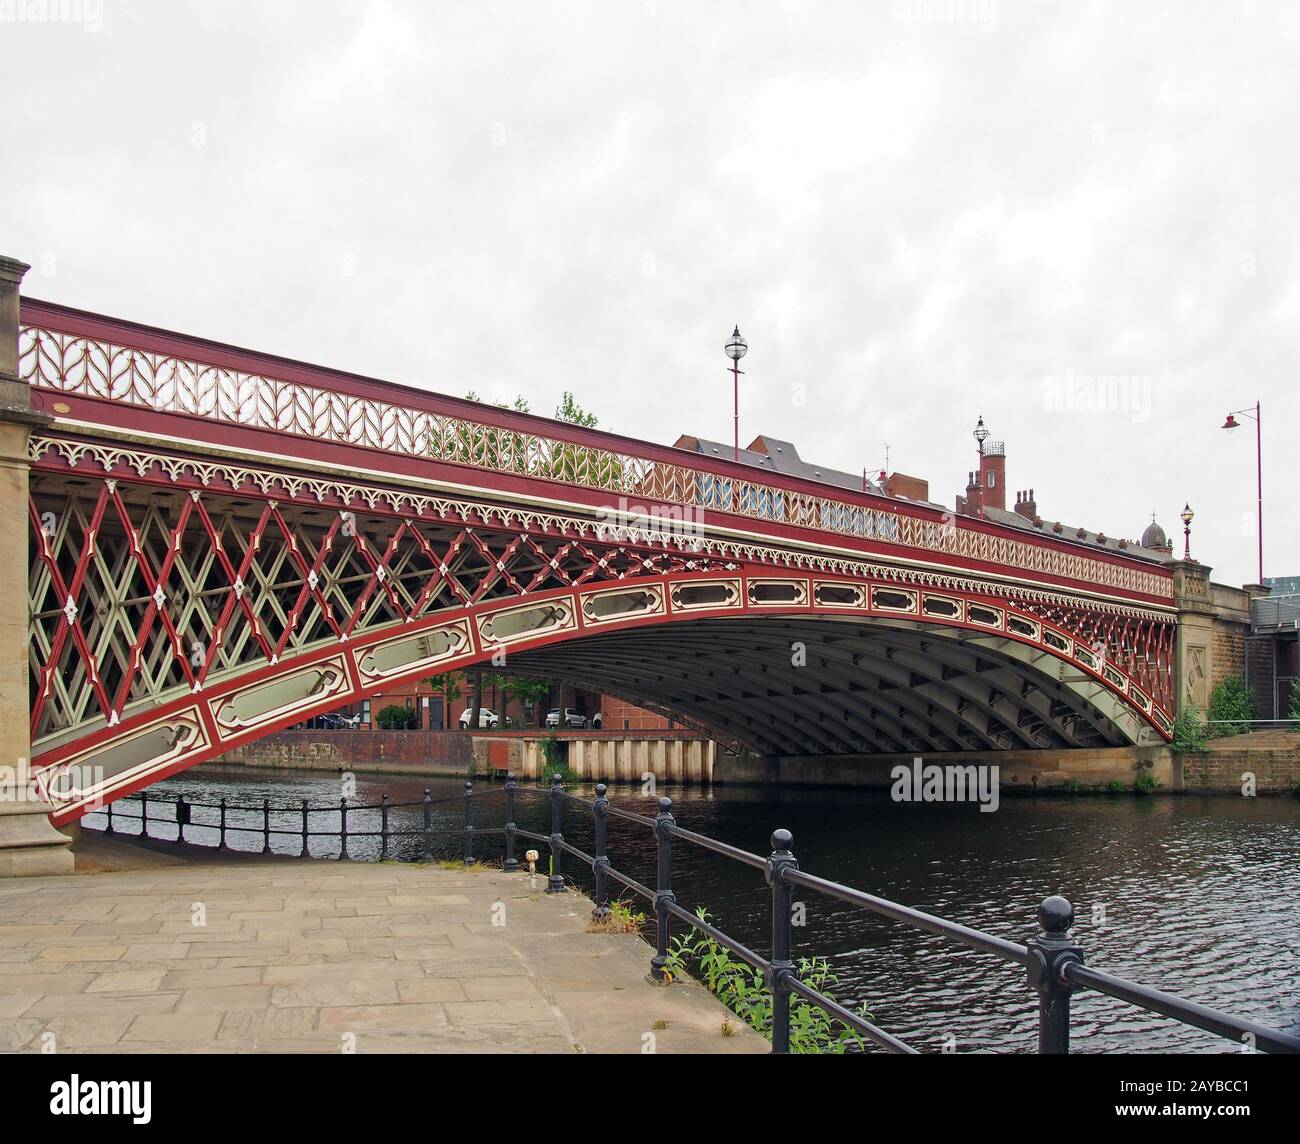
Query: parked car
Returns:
{"type": "Point", "coordinates": [569, 717]}
{"type": "Point", "coordinates": [596, 721]}
{"type": "Point", "coordinates": [486, 718]}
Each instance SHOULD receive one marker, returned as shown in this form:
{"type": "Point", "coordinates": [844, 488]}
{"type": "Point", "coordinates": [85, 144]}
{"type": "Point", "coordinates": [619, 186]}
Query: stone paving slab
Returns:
{"type": "Point", "coordinates": [314, 956]}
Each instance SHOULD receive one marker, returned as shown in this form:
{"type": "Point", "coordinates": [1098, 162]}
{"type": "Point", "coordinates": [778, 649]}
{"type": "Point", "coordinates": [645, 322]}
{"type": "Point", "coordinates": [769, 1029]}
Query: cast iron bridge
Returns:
{"type": "Point", "coordinates": [225, 543]}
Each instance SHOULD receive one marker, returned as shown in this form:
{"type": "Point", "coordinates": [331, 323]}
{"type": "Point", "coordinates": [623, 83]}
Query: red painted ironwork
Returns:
{"type": "Point", "coordinates": [183, 594]}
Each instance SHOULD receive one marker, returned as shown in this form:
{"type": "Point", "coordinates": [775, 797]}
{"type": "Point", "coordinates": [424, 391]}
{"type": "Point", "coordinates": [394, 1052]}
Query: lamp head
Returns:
{"type": "Point", "coordinates": [736, 346]}
{"type": "Point", "coordinates": [1187, 514]}
{"type": "Point", "coordinates": [1230, 423]}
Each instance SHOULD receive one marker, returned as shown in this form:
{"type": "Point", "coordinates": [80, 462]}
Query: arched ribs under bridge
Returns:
{"type": "Point", "coordinates": [179, 608]}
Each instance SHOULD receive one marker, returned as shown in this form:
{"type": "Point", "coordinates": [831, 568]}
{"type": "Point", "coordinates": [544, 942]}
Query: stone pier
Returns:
{"type": "Point", "coordinates": [28, 843]}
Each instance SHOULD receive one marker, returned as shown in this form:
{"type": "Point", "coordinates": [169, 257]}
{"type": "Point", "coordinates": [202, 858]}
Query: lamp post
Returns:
{"type": "Point", "coordinates": [1187, 515]}
{"type": "Point", "coordinates": [736, 349]}
{"type": "Point", "coordinates": [1233, 423]}
{"type": "Point", "coordinates": [980, 434]}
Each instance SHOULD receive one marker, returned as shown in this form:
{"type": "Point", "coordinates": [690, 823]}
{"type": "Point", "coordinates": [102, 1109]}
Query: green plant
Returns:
{"type": "Point", "coordinates": [1115, 786]}
{"type": "Point", "coordinates": [1293, 709]}
{"type": "Point", "coordinates": [556, 761]}
{"type": "Point", "coordinates": [740, 987]}
{"type": "Point", "coordinates": [1189, 732]}
{"type": "Point", "coordinates": [396, 718]}
{"type": "Point", "coordinates": [1145, 784]}
{"type": "Point", "coordinates": [620, 919]}
{"type": "Point", "coordinates": [1232, 706]}
{"type": "Point", "coordinates": [1072, 786]}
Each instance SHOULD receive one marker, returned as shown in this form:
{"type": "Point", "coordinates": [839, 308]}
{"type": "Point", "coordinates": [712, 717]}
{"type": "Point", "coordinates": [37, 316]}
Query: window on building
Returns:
{"type": "Point", "coordinates": [993, 479]}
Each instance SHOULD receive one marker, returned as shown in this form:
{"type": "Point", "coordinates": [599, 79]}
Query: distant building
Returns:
{"type": "Point", "coordinates": [985, 495]}
{"type": "Point", "coordinates": [1282, 585]}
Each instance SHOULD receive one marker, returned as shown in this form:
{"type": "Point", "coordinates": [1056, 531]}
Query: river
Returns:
{"type": "Point", "coordinates": [1194, 894]}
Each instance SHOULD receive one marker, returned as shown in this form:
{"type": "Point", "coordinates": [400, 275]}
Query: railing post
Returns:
{"type": "Point", "coordinates": [782, 966]}
{"type": "Point", "coordinates": [428, 825]}
{"type": "Point", "coordinates": [304, 853]}
{"type": "Point", "coordinates": [510, 865]}
{"type": "Point", "coordinates": [108, 809]}
{"type": "Point", "coordinates": [664, 890]}
{"type": "Point", "coordinates": [266, 826]}
{"type": "Point", "coordinates": [469, 824]}
{"type": "Point", "coordinates": [555, 883]}
{"type": "Point", "coordinates": [221, 841]}
{"type": "Point", "coordinates": [343, 829]}
{"type": "Point", "coordinates": [1049, 953]}
{"type": "Point", "coordinates": [383, 826]}
{"type": "Point", "coordinates": [144, 814]}
{"type": "Point", "coordinates": [600, 808]}
{"type": "Point", "coordinates": [182, 817]}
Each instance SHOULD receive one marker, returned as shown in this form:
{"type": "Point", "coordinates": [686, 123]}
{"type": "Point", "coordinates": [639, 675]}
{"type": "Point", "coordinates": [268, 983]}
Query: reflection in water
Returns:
{"type": "Point", "coordinates": [1192, 894]}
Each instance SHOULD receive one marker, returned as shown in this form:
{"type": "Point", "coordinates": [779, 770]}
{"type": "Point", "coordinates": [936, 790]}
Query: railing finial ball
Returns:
{"type": "Point", "coordinates": [556, 779]}
{"type": "Point", "coordinates": [469, 785]}
{"type": "Point", "coordinates": [665, 804]}
{"type": "Point", "coordinates": [782, 841]}
{"type": "Point", "coordinates": [1055, 915]}
{"type": "Point", "coordinates": [600, 790]}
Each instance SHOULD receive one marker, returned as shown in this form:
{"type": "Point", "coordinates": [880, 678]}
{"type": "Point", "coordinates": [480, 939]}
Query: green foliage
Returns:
{"type": "Point", "coordinates": [1189, 731]}
{"type": "Point", "coordinates": [396, 718]}
{"type": "Point", "coordinates": [1232, 706]}
{"type": "Point", "coordinates": [1115, 786]}
{"type": "Point", "coordinates": [1072, 786]}
{"type": "Point", "coordinates": [622, 918]}
{"type": "Point", "coordinates": [740, 987]}
{"type": "Point", "coordinates": [569, 410]}
{"type": "Point", "coordinates": [531, 690]}
{"type": "Point", "coordinates": [448, 684]}
{"type": "Point", "coordinates": [557, 762]}
{"type": "Point", "coordinates": [1145, 784]}
{"type": "Point", "coordinates": [1293, 710]}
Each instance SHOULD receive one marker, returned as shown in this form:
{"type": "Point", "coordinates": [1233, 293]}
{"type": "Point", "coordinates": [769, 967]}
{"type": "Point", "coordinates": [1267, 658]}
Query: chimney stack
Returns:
{"type": "Point", "coordinates": [1026, 506]}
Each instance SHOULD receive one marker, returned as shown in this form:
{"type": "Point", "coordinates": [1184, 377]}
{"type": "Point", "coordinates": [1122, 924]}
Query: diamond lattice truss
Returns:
{"type": "Point", "coordinates": [179, 609]}
{"type": "Point", "coordinates": [225, 543]}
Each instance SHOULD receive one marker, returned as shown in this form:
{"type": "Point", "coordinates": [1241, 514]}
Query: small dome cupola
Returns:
{"type": "Point", "coordinates": [1154, 536]}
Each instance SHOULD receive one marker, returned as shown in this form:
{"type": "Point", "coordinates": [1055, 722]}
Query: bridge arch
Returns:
{"type": "Point", "coordinates": [774, 661]}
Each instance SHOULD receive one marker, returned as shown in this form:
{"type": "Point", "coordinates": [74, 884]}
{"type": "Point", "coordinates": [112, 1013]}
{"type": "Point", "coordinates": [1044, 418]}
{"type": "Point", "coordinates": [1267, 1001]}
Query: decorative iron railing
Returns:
{"type": "Point", "coordinates": [386, 418]}
{"type": "Point", "coordinates": [1052, 960]}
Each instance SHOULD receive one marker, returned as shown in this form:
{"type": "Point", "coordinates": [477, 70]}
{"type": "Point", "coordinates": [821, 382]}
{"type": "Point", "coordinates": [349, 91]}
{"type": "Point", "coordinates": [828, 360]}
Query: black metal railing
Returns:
{"type": "Point", "coordinates": [1052, 960]}
{"type": "Point", "coordinates": [376, 817]}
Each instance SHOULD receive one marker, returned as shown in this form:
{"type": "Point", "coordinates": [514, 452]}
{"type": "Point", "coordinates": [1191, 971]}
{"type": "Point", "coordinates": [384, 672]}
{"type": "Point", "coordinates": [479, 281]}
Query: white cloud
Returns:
{"type": "Point", "coordinates": [918, 220]}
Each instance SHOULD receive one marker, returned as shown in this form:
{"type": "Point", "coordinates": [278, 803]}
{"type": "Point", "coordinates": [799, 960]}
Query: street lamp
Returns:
{"type": "Point", "coordinates": [980, 434]}
{"type": "Point", "coordinates": [1187, 515]}
{"type": "Point", "coordinates": [736, 349]}
{"type": "Point", "coordinates": [1233, 423]}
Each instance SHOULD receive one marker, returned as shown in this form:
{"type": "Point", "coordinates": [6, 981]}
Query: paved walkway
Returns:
{"type": "Point", "coordinates": [317, 956]}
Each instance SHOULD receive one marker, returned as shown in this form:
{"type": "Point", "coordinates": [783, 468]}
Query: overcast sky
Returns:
{"type": "Point", "coordinates": [917, 211]}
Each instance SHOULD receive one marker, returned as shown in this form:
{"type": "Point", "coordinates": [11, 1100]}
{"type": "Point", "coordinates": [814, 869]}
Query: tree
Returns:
{"type": "Point", "coordinates": [509, 687]}
{"type": "Point", "coordinates": [569, 410]}
{"type": "Point", "coordinates": [476, 707]}
{"type": "Point", "coordinates": [534, 691]}
{"type": "Point", "coordinates": [1232, 707]}
{"type": "Point", "coordinates": [1293, 711]}
{"type": "Point", "coordinates": [448, 683]}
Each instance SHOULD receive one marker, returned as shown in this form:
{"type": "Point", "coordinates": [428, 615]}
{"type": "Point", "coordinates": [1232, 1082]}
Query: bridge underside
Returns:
{"type": "Point", "coordinates": [813, 686]}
